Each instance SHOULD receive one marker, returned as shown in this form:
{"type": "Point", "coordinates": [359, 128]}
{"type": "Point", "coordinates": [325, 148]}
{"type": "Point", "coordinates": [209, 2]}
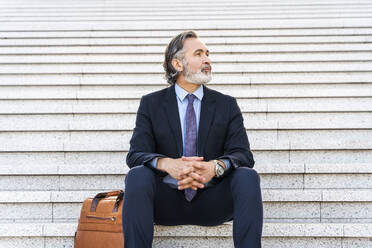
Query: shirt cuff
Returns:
{"type": "Point", "coordinates": [227, 163]}
{"type": "Point", "coordinates": [153, 162]}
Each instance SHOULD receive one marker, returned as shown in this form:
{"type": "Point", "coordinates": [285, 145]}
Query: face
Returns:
{"type": "Point", "coordinates": [196, 62]}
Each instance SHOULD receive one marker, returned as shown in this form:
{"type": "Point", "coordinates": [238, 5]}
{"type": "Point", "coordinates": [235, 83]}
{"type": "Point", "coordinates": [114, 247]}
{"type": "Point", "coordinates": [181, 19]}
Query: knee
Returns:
{"type": "Point", "coordinates": [139, 179]}
{"type": "Point", "coordinates": [246, 176]}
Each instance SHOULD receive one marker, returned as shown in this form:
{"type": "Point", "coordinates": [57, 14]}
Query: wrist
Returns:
{"type": "Point", "coordinates": [222, 163]}
{"type": "Point", "coordinates": [219, 168]}
{"type": "Point", "coordinates": [213, 168]}
{"type": "Point", "coordinates": [162, 164]}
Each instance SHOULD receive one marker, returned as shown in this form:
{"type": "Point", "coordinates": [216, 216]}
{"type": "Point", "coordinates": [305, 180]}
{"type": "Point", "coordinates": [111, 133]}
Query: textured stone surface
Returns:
{"type": "Point", "coordinates": [347, 220]}
{"type": "Point", "coordinates": [23, 242]}
{"type": "Point", "coordinates": [225, 230]}
{"type": "Point", "coordinates": [347, 195]}
{"type": "Point", "coordinates": [25, 212]}
{"type": "Point", "coordinates": [280, 168]}
{"type": "Point", "coordinates": [315, 156]}
{"type": "Point", "coordinates": [356, 243]}
{"type": "Point", "coordinates": [338, 181]}
{"type": "Point", "coordinates": [339, 168]}
{"type": "Point", "coordinates": [358, 230]}
{"type": "Point", "coordinates": [292, 210]}
{"type": "Point", "coordinates": [281, 181]}
{"type": "Point", "coordinates": [303, 230]}
{"type": "Point", "coordinates": [20, 230]}
{"type": "Point", "coordinates": [119, 140]}
{"type": "Point", "coordinates": [92, 182]}
{"type": "Point", "coordinates": [189, 242]}
{"type": "Point", "coordinates": [202, 242]}
{"type": "Point", "coordinates": [25, 196]}
{"type": "Point", "coordinates": [29, 183]}
{"type": "Point", "coordinates": [291, 195]}
{"type": "Point", "coordinates": [350, 210]}
{"type": "Point", "coordinates": [66, 212]}
{"type": "Point", "coordinates": [127, 121]}
{"type": "Point", "coordinates": [59, 242]}
{"type": "Point", "coordinates": [286, 242]}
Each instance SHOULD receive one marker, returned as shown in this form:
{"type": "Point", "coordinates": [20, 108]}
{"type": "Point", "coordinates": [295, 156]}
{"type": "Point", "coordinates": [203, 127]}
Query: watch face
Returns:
{"type": "Point", "coordinates": [220, 171]}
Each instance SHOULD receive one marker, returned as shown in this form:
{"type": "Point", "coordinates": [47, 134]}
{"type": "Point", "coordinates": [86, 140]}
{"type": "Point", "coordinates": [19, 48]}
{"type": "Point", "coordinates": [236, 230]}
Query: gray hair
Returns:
{"type": "Point", "coordinates": [175, 50]}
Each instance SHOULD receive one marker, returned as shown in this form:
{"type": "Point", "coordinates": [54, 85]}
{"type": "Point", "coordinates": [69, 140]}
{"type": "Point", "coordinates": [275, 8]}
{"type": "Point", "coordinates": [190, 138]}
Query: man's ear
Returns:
{"type": "Point", "coordinates": [177, 64]}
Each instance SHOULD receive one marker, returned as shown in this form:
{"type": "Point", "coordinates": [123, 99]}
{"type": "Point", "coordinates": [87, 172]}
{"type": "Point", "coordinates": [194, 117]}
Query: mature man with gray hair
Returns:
{"type": "Point", "coordinates": [189, 155]}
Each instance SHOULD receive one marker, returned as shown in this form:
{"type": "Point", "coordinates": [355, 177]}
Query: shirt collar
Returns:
{"type": "Point", "coordinates": [181, 93]}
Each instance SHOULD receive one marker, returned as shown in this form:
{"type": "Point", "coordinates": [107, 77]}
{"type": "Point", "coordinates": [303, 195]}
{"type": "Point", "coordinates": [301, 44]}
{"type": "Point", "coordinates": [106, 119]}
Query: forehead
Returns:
{"type": "Point", "coordinates": [192, 44]}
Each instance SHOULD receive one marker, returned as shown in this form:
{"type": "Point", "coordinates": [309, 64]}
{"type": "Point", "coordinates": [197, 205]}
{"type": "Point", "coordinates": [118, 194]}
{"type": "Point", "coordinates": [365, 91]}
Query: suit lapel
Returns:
{"type": "Point", "coordinates": [206, 117]}
{"type": "Point", "coordinates": [171, 108]}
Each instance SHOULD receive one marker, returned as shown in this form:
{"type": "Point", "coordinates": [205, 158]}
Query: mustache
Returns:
{"type": "Point", "coordinates": [206, 67]}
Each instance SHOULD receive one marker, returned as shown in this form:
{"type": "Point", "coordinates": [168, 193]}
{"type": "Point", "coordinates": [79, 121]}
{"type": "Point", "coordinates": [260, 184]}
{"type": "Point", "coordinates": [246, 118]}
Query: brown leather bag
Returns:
{"type": "Point", "coordinates": [100, 222]}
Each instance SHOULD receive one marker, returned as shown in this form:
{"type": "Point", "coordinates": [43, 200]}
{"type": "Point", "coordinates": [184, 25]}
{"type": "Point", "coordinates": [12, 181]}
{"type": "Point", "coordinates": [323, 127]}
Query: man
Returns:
{"type": "Point", "coordinates": [189, 156]}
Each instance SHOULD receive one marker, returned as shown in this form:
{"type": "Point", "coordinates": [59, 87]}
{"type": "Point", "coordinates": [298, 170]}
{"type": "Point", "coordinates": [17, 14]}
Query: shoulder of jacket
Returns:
{"type": "Point", "coordinates": [159, 94]}
{"type": "Point", "coordinates": [220, 96]}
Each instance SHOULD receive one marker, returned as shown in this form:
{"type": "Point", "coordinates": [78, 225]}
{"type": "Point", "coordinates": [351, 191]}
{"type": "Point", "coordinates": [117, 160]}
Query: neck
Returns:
{"type": "Point", "coordinates": [189, 87]}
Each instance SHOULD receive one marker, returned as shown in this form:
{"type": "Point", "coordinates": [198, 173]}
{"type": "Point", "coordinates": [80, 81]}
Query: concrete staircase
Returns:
{"type": "Point", "coordinates": [72, 74]}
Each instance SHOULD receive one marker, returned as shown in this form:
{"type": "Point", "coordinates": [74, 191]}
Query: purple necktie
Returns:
{"type": "Point", "coordinates": [190, 139]}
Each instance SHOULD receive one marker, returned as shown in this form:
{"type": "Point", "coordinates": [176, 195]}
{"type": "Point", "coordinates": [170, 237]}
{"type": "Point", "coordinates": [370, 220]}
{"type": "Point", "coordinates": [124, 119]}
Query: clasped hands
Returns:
{"type": "Point", "coordinates": [190, 172]}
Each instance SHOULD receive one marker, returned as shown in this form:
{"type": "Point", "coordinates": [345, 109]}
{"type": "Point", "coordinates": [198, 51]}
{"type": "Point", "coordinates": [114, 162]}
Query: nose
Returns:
{"type": "Point", "coordinates": [206, 60]}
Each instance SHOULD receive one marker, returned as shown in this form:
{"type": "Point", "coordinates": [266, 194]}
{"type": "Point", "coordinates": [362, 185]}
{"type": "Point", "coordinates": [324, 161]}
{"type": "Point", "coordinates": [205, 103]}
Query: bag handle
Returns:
{"type": "Point", "coordinates": [99, 196]}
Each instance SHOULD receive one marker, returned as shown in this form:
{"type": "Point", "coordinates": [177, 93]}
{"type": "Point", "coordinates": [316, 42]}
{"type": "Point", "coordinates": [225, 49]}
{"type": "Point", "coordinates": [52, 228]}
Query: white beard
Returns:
{"type": "Point", "coordinates": [198, 77]}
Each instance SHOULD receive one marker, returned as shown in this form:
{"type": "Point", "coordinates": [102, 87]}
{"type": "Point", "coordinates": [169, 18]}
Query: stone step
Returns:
{"type": "Point", "coordinates": [225, 230]}
{"type": "Point", "coordinates": [208, 32]}
{"type": "Point", "coordinates": [16, 141]}
{"type": "Point", "coordinates": [164, 41]}
{"type": "Point", "coordinates": [267, 162]}
{"type": "Point", "coordinates": [95, 4]}
{"type": "Point", "coordinates": [157, 58]}
{"type": "Point", "coordinates": [196, 16]}
{"type": "Point", "coordinates": [190, 11]}
{"type": "Point", "coordinates": [157, 68]}
{"type": "Point", "coordinates": [109, 182]}
{"type": "Point", "coordinates": [103, 92]}
{"type": "Point", "coordinates": [246, 105]}
{"type": "Point", "coordinates": [116, 160]}
{"type": "Point", "coordinates": [268, 195]}
{"type": "Point", "coordinates": [275, 235]}
{"type": "Point", "coordinates": [297, 208]}
{"type": "Point", "coordinates": [111, 164]}
{"type": "Point", "coordinates": [201, 7]}
{"type": "Point", "coordinates": [156, 80]}
{"type": "Point", "coordinates": [252, 121]}
{"type": "Point", "coordinates": [159, 49]}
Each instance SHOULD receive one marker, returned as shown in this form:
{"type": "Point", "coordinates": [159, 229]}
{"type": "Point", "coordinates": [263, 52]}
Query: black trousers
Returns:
{"type": "Point", "coordinates": [147, 200]}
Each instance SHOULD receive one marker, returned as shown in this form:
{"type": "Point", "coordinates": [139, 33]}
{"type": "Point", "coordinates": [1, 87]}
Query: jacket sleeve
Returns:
{"type": "Point", "coordinates": [236, 148]}
{"type": "Point", "coordinates": [142, 143]}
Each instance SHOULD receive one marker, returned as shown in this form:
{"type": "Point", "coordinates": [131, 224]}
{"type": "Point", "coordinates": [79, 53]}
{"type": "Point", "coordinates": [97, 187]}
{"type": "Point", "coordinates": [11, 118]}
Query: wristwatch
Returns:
{"type": "Point", "coordinates": [218, 169]}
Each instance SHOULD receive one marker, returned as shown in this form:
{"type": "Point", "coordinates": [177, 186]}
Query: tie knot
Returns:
{"type": "Point", "coordinates": [191, 98]}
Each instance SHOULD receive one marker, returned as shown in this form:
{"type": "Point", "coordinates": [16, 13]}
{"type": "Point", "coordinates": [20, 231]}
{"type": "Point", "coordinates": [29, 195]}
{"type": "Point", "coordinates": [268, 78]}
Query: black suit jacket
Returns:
{"type": "Point", "coordinates": [157, 133]}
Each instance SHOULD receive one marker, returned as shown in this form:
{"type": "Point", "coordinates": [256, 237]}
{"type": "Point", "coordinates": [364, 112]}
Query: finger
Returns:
{"type": "Point", "coordinates": [197, 177]}
{"type": "Point", "coordinates": [192, 158]}
{"type": "Point", "coordinates": [185, 186]}
{"type": "Point", "coordinates": [186, 171]}
{"type": "Point", "coordinates": [197, 184]}
{"type": "Point", "coordinates": [198, 165]}
{"type": "Point", "coordinates": [194, 185]}
{"type": "Point", "coordinates": [185, 181]}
